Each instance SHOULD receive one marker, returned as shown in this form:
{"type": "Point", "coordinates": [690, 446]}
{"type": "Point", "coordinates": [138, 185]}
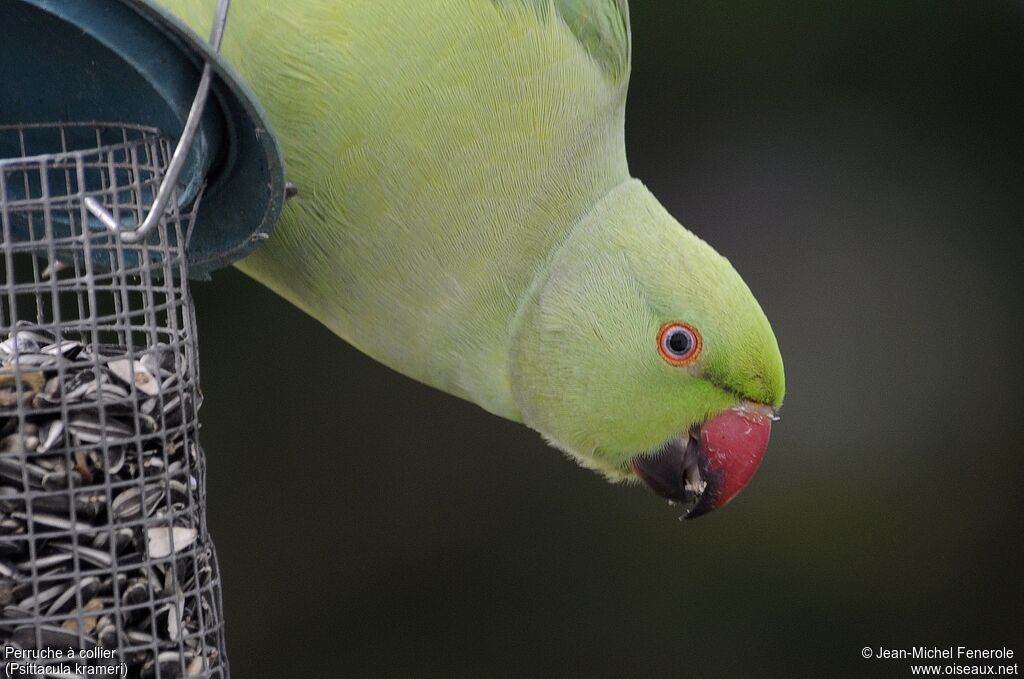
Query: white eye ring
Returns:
{"type": "Point", "coordinates": [679, 343]}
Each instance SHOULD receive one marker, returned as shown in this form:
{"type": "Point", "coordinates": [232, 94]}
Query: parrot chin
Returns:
{"type": "Point", "coordinates": [704, 468]}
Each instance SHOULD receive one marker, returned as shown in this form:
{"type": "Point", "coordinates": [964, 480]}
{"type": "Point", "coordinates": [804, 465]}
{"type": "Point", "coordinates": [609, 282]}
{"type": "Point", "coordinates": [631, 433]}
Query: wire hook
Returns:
{"type": "Point", "coordinates": [180, 155]}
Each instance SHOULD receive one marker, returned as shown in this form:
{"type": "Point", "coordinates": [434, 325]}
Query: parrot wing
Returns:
{"type": "Point", "coordinates": [600, 26]}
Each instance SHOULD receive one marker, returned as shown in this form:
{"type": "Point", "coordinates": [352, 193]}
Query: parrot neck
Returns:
{"type": "Point", "coordinates": [533, 336]}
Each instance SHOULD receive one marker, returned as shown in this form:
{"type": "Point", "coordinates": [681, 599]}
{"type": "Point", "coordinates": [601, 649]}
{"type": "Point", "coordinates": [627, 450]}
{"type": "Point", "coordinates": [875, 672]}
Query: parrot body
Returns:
{"type": "Point", "coordinates": [466, 216]}
{"type": "Point", "coordinates": [448, 169]}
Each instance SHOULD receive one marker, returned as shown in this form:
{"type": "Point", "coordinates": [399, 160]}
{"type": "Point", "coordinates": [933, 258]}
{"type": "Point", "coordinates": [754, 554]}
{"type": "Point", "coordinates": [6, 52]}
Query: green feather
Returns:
{"type": "Point", "coordinates": [600, 26]}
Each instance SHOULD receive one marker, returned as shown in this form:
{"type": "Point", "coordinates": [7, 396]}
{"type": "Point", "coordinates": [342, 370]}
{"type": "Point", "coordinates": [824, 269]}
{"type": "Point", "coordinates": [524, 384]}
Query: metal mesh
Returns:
{"type": "Point", "coordinates": [103, 540]}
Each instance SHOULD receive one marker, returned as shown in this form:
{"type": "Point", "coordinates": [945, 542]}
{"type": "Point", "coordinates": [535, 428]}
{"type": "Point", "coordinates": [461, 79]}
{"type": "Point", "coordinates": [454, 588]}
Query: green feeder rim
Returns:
{"type": "Point", "coordinates": [246, 186]}
{"type": "Point", "coordinates": [132, 62]}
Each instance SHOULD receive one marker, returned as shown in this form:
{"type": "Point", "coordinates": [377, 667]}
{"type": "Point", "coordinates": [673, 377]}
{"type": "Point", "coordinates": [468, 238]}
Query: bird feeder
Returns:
{"type": "Point", "coordinates": [131, 159]}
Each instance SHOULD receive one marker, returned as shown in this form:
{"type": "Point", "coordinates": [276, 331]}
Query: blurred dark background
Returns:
{"type": "Point", "coordinates": [862, 165]}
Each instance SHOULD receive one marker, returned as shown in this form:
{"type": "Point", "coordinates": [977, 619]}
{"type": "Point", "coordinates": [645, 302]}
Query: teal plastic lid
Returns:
{"type": "Point", "coordinates": [130, 61]}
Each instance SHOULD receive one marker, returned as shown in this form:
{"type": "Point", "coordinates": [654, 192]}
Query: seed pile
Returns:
{"type": "Point", "coordinates": [102, 541]}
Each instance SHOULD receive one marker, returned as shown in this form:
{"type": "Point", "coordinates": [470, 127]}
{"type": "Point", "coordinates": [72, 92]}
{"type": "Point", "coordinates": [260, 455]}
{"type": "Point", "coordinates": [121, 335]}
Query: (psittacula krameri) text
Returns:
{"type": "Point", "coordinates": [466, 216]}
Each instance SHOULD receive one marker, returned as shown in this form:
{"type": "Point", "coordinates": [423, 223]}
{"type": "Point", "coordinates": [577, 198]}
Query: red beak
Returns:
{"type": "Point", "coordinates": [708, 466]}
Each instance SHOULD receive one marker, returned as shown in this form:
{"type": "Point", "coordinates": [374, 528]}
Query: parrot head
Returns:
{"type": "Point", "coordinates": [643, 354]}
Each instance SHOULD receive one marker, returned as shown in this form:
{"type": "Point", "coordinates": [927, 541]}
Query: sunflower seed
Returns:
{"type": "Point", "coordinates": [36, 601]}
{"type": "Point", "coordinates": [50, 435]}
{"type": "Point", "coordinates": [132, 503]}
{"type": "Point", "coordinates": [45, 562]}
{"type": "Point", "coordinates": [50, 637]}
{"type": "Point", "coordinates": [137, 592]}
{"type": "Point", "coordinates": [136, 373]}
{"type": "Point", "coordinates": [86, 588]}
{"type": "Point", "coordinates": [97, 557]}
{"type": "Point", "coordinates": [162, 542]}
{"type": "Point", "coordinates": [166, 665]}
{"type": "Point", "coordinates": [53, 521]}
{"type": "Point", "coordinates": [87, 428]}
{"type": "Point", "coordinates": [106, 633]}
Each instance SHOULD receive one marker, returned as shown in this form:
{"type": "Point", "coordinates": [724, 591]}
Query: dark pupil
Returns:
{"type": "Point", "coordinates": [679, 342]}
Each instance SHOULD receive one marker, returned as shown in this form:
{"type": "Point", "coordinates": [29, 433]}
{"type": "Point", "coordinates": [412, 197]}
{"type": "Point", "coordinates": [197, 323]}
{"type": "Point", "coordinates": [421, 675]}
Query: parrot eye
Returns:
{"type": "Point", "coordinates": [679, 343]}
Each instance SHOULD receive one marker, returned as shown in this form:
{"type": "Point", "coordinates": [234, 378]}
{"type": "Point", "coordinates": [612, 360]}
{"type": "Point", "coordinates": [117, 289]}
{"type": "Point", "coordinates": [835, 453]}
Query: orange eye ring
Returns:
{"type": "Point", "coordinates": [679, 343]}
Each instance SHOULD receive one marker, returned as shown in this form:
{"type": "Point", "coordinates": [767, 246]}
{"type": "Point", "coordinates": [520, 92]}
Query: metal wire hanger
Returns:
{"type": "Point", "coordinates": [177, 164]}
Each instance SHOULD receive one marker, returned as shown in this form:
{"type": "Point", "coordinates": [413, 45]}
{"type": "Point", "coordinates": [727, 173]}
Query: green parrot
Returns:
{"type": "Point", "coordinates": [466, 216]}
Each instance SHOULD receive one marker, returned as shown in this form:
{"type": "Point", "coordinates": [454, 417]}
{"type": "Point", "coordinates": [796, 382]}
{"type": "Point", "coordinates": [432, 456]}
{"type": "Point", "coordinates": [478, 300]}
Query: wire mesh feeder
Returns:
{"type": "Point", "coordinates": [104, 548]}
